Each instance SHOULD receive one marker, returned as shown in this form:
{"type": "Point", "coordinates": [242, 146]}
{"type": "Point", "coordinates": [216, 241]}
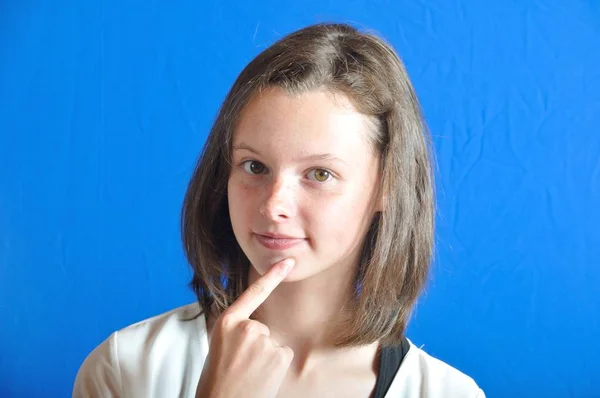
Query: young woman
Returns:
{"type": "Point", "coordinates": [309, 225]}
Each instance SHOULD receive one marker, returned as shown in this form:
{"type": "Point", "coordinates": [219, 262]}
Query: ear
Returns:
{"type": "Point", "coordinates": [381, 202]}
{"type": "Point", "coordinates": [382, 194]}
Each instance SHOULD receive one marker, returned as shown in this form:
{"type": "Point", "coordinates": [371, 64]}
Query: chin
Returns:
{"type": "Point", "coordinates": [299, 273]}
{"type": "Point", "coordinates": [262, 264]}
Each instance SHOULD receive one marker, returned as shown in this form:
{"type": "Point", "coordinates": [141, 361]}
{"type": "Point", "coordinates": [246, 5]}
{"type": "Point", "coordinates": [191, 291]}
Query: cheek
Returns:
{"type": "Point", "coordinates": [343, 220]}
{"type": "Point", "coordinates": [338, 220]}
{"type": "Point", "coordinates": [239, 198]}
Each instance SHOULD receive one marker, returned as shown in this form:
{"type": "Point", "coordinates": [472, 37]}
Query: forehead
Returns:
{"type": "Point", "coordinates": [306, 121]}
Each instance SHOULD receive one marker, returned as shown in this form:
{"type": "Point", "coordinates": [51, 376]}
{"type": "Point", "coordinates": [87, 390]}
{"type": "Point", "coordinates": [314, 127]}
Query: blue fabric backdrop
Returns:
{"type": "Point", "coordinates": [104, 106]}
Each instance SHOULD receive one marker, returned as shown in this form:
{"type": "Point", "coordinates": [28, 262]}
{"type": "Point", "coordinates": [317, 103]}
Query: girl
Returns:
{"type": "Point", "coordinates": [309, 225]}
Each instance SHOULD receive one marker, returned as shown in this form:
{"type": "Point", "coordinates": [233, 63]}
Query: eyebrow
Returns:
{"type": "Point", "coordinates": [320, 156]}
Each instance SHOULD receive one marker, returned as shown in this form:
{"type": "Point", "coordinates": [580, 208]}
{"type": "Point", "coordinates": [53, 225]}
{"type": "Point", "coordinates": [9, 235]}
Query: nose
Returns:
{"type": "Point", "coordinates": [278, 204]}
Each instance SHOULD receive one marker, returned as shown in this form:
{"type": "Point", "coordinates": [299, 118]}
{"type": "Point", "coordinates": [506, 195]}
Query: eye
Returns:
{"type": "Point", "coordinates": [254, 167]}
{"type": "Point", "coordinates": [320, 175]}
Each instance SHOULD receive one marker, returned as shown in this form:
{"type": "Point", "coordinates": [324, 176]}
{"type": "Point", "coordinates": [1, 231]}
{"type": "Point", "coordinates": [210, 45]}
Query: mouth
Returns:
{"type": "Point", "coordinates": [278, 242]}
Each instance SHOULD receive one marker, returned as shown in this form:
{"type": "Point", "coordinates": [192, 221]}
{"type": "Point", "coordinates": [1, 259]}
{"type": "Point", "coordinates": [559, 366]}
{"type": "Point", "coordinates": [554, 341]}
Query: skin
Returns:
{"type": "Point", "coordinates": [304, 166]}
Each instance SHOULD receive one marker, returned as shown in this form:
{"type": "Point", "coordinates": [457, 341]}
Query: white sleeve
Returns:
{"type": "Point", "coordinates": [99, 375]}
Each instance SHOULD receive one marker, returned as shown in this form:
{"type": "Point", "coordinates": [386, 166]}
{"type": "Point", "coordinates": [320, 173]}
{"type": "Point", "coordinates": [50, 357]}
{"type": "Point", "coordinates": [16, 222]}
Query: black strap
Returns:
{"type": "Point", "coordinates": [390, 359]}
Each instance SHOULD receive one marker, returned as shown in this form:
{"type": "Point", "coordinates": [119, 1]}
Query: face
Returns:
{"type": "Point", "coordinates": [303, 182]}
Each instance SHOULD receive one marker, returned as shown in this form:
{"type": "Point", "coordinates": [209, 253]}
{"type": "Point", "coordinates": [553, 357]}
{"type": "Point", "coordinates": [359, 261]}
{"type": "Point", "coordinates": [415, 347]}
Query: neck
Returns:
{"type": "Point", "coordinates": [303, 312]}
{"type": "Point", "coordinates": [302, 315]}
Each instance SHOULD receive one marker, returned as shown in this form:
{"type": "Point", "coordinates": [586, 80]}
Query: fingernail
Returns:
{"type": "Point", "coordinates": [288, 265]}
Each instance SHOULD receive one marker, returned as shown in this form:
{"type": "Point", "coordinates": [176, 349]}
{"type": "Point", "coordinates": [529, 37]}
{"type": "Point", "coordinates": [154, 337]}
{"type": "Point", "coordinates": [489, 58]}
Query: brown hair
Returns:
{"type": "Point", "coordinates": [398, 246]}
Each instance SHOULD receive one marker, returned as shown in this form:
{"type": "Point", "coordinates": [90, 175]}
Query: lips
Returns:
{"type": "Point", "coordinates": [278, 242]}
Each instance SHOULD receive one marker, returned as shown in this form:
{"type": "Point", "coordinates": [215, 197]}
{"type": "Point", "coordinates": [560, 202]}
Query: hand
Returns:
{"type": "Point", "coordinates": [243, 360]}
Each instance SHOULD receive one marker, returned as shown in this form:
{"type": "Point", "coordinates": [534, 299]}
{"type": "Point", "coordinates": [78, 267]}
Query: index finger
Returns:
{"type": "Point", "coordinates": [258, 292]}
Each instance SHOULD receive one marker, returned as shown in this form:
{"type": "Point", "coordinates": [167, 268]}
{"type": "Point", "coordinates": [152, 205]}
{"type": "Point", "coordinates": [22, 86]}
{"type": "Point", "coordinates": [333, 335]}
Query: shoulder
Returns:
{"type": "Point", "coordinates": [124, 363]}
{"type": "Point", "coordinates": [422, 375]}
{"type": "Point", "coordinates": [180, 324]}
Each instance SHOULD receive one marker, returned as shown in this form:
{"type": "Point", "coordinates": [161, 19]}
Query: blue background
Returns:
{"type": "Point", "coordinates": [105, 106]}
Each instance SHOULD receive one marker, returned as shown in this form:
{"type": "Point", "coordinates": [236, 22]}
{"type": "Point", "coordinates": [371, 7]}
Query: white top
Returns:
{"type": "Point", "coordinates": [163, 357]}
